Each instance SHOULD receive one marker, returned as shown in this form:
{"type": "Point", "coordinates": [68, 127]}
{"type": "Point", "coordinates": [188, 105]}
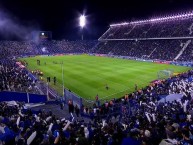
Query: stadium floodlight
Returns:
{"type": "Point", "coordinates": [82, 21]}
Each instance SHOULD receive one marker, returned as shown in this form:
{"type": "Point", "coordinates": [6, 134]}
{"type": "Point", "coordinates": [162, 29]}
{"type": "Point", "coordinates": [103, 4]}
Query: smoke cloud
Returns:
{"type": "Point", "coordinates": [11, 28]}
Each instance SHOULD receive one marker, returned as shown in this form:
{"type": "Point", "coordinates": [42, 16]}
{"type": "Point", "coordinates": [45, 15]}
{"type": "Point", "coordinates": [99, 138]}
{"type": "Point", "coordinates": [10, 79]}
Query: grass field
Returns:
{"type": "Point", "coordinates": [88, 75]}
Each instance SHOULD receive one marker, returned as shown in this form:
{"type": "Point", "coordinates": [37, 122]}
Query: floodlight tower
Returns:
{"type": "Point", "coordinates": [82, 23]}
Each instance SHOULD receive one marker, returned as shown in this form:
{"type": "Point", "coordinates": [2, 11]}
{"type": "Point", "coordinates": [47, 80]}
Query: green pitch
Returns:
{"type": "Point", "coordinates": [87, 76]}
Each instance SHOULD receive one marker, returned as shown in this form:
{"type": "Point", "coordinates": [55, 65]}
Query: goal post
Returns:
{"type": "Point", "coordinates": [163, 74]}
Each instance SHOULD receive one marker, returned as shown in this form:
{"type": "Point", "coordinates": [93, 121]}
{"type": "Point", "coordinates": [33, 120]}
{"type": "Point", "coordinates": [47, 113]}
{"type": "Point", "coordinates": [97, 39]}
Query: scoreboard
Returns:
{"type": "Point", "coordinates": [41, 36]}
{"type": "Point", "coordinates": [45, 35]}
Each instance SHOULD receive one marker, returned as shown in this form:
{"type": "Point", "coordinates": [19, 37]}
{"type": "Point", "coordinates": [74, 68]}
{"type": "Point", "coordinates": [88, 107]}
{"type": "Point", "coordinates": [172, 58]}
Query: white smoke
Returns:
{"type": "Point", "coordinates": [11, 27]}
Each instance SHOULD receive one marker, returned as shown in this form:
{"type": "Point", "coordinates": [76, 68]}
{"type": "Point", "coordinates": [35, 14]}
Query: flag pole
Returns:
{"type": "Point", "coordinates": [47, 91]}
{"type": "Point", "coordinates": [62, 79]}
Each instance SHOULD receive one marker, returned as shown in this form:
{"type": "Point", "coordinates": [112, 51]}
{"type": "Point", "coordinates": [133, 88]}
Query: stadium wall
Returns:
{"type": "Point", "coordinates": [188, 64]}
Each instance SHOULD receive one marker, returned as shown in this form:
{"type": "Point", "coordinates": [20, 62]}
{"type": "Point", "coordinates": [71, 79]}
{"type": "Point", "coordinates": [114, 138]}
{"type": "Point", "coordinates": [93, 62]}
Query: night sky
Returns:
{"type": "Point", "coordinates": [61, 16]}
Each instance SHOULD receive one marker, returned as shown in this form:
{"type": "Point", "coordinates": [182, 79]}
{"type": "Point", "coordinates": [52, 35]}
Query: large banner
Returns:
{"type": "Point", "coordinates": [22, 97]}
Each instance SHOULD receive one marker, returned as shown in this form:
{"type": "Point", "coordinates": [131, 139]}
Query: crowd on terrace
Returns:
{"type": "Point", "coordinates": [149, 49]}
{"type": "Point", "coordinates": [15, 79]}
{"type": "Point", "coordinates": [26, 48]}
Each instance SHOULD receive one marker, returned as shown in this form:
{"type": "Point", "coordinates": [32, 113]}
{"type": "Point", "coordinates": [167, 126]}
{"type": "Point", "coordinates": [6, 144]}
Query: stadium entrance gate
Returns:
{"type": "Point", "coordinates": [69, 95]}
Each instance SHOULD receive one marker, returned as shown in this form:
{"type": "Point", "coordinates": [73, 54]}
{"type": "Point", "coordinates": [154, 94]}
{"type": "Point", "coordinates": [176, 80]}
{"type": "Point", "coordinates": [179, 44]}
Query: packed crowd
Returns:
{"type": "Point", "coordinates": [17, 48]}
{"type": "Point", "coordinates": [138, 118]}
{"type": "Point", "coordinates": [149, 49]}
{"type": "Point", "coordinates": [74, 46]}
{"type": "Point", "coordinates": [26, 48]}
{"type": "Point", "coordinates": [13, 78]}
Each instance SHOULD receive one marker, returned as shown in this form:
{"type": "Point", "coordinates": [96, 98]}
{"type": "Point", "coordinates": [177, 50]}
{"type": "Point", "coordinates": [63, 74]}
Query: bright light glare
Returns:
{"type": "Point", "coordinates": [42, 34]}
{"type": "Point", "coordinates": [172, 17]}
{"type": "Point", "coordinates": [82, 21]}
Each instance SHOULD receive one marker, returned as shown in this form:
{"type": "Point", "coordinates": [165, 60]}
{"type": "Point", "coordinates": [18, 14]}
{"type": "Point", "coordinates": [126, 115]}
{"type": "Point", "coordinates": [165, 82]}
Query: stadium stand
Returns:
{"type": "Point", "coordinates": [150, 49]}
{"type": "Point", "coordinates": [164, 27]}
{"type": "Point", "coordinates": [166, 38]}
{"type": "Point", "coordinates": [187, 54]}
{"type": "Point", "coordinates": [27, 48]}
{"type": "Point", "coordinates": [64, 46]}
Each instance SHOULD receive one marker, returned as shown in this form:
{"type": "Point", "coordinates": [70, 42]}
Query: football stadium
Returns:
{"type": "Point", "coordinates": [130, 83]}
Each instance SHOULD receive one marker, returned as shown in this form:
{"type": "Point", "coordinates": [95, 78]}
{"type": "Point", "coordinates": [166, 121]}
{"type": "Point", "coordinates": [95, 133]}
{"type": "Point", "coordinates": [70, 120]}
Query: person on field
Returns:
{"type": "Point", "coordinates": [97, 100]}
{"type": "Point", "coordinates": [97, 97]}
{"type": "Point", "coordinates": [107, 87]}
{"type": "Point", "coordinates": [38, 62]}
{"type": "Point", "coordinates": [54, 80]}
{"type": "Point", "coordinates": [136, 87]}
{"type": "Point", "coordinates": [48, 79]}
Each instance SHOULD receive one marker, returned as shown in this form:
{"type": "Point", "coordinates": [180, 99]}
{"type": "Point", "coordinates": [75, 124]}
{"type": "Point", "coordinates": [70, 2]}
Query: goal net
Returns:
{"type": "Point", "coordinates": [163, 74]}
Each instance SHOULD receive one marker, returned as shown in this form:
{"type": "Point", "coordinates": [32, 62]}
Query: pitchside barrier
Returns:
{"type": "Point", "coordinates": [22, 97]}
{"type": "Point", "coordinates": [180, 63]}
{"type": "Point", "coordinates": [69, 95]}
{"type": "Point", "coordinates": [89, 103]}
{"type": "Point", "coordinates": [188, 64]}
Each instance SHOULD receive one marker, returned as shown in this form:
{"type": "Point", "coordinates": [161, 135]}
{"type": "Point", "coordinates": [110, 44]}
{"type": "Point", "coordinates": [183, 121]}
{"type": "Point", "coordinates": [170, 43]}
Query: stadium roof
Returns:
{"type": "Point", "coordinates": [158, 19]}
